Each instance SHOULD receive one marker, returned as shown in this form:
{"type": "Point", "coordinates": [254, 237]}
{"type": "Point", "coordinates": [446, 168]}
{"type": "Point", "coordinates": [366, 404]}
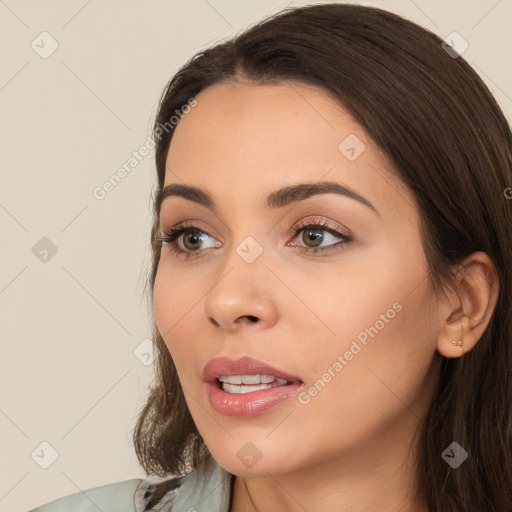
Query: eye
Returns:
{"type": "Point", "coordinates": [187, 239]}
{"type": "Point", "coordinates": [315, 234]}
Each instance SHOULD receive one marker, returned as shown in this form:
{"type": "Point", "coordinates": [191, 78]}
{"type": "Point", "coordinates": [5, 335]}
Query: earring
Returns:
{"type": "Point", "coordinates": [458, 344]}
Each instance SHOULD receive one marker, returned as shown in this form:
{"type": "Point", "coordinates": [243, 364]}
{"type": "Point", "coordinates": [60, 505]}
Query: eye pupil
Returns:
{"type": "Point", "coordinates": [313, 235]}
{"type": "Point", "coordinates": [192, 236]}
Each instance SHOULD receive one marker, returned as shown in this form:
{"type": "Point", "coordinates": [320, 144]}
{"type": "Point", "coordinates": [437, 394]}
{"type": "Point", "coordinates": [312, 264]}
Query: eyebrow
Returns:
{"type": "Point", "coordinates": [276, 199]}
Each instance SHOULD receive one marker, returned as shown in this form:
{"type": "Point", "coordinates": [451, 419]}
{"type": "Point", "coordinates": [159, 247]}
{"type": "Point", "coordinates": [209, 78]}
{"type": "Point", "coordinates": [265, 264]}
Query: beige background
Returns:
{"type": "Point", "coordinates": [70, 325]}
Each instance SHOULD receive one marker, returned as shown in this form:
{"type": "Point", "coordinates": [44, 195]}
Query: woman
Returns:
{"type": "Point", "coordinates": [331, 277]}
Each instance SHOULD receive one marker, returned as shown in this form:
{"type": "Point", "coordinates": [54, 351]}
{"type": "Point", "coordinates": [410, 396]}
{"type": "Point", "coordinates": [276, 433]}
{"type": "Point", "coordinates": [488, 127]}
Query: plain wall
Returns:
{"type": "Point", "coordinates": [72, 320]}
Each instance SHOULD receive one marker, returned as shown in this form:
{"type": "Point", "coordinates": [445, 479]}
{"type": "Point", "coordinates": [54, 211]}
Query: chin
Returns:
{"type": "Point", "coordinates": [259, 468]}
{"type": "Point", "coordinates": [242, 456]}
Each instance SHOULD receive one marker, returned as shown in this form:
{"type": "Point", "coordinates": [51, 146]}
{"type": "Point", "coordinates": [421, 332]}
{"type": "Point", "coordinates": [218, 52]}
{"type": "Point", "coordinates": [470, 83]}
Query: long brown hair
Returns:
{"type": "Point", "coordinates": [451, 144]}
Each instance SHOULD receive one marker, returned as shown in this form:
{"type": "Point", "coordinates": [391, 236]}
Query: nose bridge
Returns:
{"type": "Point", "coordinates": [240, 293]}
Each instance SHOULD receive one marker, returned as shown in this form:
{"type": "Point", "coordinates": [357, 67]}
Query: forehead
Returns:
{"type": "Point", "coordinates": [254, 114]}
{"type": "Point", "coordinates": [257, 127]}
{"type": "Point", "coordinates": [252, 139]}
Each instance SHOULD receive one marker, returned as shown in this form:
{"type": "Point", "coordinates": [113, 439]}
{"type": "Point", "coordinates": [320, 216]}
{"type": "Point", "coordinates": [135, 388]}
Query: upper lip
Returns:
{"type": "Point", "coordinates": [218, 366]}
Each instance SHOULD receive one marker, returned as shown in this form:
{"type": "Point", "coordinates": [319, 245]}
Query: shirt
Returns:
{"type": "Point", "coordinates": [194, 492]}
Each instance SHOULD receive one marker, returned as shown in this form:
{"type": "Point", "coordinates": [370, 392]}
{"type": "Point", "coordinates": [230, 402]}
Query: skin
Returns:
{"type": "Point", "coordinates": [348, 448]}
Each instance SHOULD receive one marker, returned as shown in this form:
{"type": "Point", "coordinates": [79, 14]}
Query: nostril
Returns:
{"type": "Point", "coordinates": [252, 318]}
{"type": "Point", "coordinates": [214, 322]}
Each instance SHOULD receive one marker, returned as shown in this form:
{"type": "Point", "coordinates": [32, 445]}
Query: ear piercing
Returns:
{"type": "Point", "coordinates": [458, 343]}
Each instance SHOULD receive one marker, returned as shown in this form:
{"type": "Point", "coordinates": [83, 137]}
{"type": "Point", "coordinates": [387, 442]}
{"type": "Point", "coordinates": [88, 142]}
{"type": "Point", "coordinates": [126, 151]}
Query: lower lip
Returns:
{"type": "Point", "coordinates": [248, 404]}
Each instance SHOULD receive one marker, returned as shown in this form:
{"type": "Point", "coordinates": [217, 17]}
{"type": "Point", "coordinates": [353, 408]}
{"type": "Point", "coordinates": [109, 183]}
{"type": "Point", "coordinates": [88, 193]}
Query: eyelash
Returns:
{"type": "Point", "coordinates": [170, 237]}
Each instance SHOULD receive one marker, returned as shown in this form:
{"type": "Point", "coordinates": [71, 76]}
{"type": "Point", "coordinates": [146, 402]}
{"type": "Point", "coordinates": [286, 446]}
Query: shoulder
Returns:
{"type": "Point", "coordinates": [206, 490]}
{"type": "Point", "coordinates": [210, 489]}
{"type": "Point", "coordinates": [135, 495]}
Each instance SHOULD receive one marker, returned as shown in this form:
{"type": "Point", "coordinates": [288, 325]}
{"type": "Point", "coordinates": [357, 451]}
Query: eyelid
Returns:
{"type": "Point", "coordinates": [323, 223]}
{"type": "Point", "coordinates": [191, 224]}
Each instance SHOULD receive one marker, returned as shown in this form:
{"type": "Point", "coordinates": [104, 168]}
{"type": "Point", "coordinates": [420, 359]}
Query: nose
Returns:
{"type": "Point", "coordinates": [241, 296]}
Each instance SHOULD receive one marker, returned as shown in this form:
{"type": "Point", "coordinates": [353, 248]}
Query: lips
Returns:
{"type": "Point", "coordinates": [232, 390]}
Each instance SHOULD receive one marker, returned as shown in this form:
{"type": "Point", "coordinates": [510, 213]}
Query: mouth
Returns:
{"type": "Point", "coordinates": [246, 386]}
{"type": "Point", "coordinates": [249, 383]}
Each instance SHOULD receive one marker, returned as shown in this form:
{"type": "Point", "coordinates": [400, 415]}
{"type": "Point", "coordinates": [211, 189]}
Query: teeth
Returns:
{"type": "Point", "coordinates": [249, 383]}
{"type": "Point", "coordinates": [251, 379]}
{"type": "Point", "coordinates": [233, 388]}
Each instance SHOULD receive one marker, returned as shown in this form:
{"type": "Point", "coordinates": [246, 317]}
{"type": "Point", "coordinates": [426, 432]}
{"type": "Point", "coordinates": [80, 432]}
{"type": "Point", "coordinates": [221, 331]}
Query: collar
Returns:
{"type": "Point", "coordinates": [210, 491]}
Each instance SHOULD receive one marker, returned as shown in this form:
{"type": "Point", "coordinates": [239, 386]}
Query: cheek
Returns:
{"type": "Point", "coordinates": [377, 367]}
{"type": "Point", "coordinates": [164, 303]}
{"type": "Point", "coordinates": [360, 299]}
{"type": "Point", "coordinates": [378, 335]}
{"type": "Point", "coordinates": [174, 304]}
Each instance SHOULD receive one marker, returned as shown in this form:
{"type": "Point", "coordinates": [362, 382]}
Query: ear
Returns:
{"type": "Point", "coordinates": [470, 307]}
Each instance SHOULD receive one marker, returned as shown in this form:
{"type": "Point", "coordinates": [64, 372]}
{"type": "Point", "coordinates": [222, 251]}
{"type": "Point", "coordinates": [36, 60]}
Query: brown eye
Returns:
{"type": "Point", "coordinates": [312, 237]}
{"type": "Point", "coordinates": [319, 237]}
{"type": "Point", "coordinates": [192, 240]}
{"type": "Point", "coordinates": [188, 240]}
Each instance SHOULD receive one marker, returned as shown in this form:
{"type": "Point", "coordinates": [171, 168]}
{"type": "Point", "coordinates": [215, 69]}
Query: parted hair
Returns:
{"type": "Point", "coordinates": [450, 143]}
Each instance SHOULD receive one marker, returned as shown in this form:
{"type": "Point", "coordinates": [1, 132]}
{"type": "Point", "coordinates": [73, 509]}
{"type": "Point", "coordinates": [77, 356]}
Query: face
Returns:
{"type": "Point", "coordinates": [325, 288]}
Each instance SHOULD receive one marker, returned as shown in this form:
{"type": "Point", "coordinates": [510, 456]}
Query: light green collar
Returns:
{"type": "Point", "coordinates": [209, 491]}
